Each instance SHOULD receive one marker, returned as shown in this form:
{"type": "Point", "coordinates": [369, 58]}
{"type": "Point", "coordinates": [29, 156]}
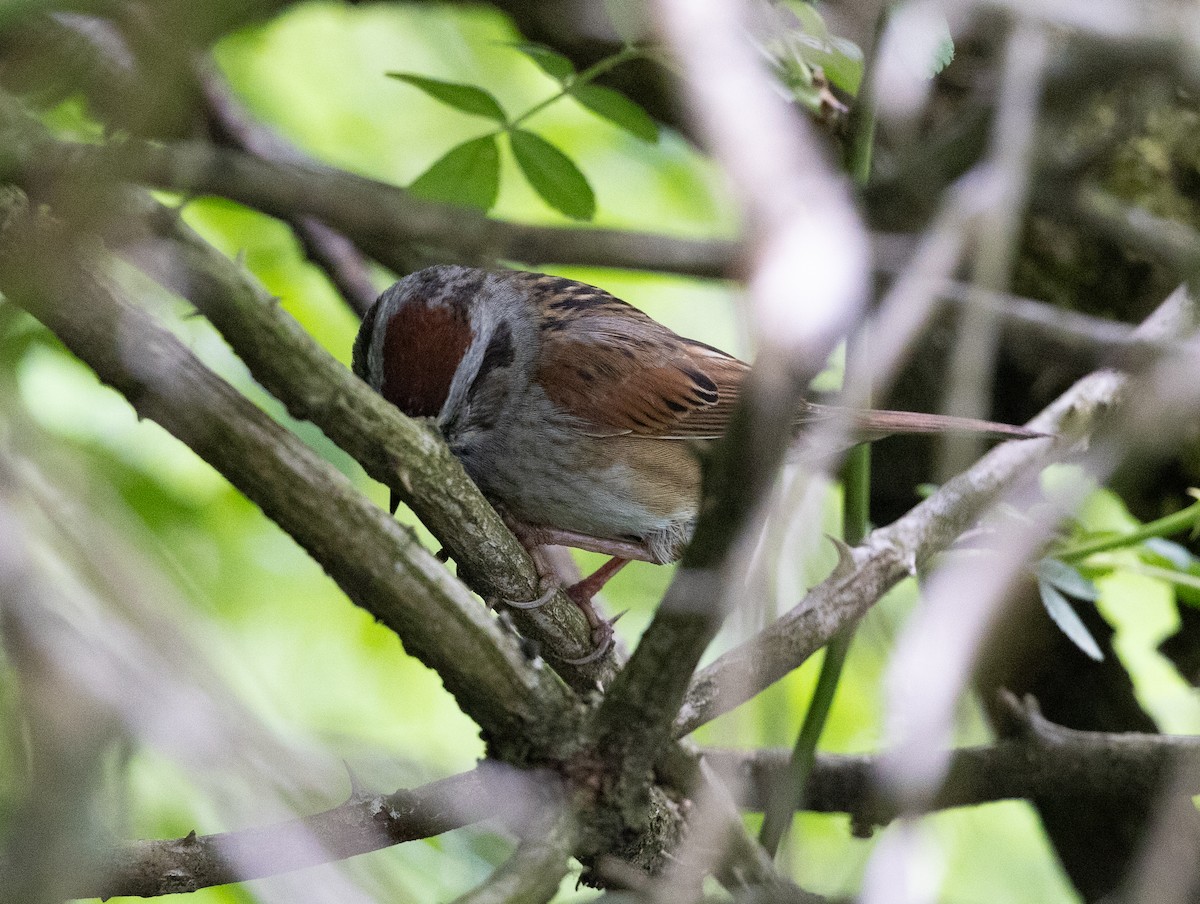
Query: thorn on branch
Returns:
{"type": "Point", "coordinates": [845, 558]}
{"type": "Point", "coordinates": [1023, 717]}
{"type": "Point", "coordinates": [358, 791]}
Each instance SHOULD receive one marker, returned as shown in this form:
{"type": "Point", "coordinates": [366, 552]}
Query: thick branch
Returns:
{"type": "Point", "coordinates": [409, 457]}
{"type": "Point", "coordinates": [1041, 759]}
{"type": "Point", "coordinates": [380, 565]}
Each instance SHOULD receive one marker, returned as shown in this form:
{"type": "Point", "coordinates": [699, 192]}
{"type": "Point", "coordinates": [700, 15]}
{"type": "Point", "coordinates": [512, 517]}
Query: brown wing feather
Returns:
{"type": "Point", "coordinates": [622, 373]}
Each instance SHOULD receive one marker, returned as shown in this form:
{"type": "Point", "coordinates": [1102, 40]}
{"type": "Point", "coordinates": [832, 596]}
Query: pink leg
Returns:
{"type": "Point", "coordinates": [537, 539]}
{"type": "Point", "coordinates": [582, 592]}
{"type": "Point", "coordinates": [550, 536]}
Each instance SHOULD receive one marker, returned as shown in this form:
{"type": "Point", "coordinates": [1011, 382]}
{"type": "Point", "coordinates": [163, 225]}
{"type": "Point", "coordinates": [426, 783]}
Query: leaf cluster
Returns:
{"type": "Point", "coordinates": [469, 173]}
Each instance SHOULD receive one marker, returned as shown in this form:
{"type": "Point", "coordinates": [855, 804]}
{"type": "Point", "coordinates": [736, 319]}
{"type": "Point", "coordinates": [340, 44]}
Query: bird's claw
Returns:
{"type": "Point", "coordinates": [580, 594]}
{"type": "Point", "coordinates": [602, 637]}
{"type": "Point", "coordinates": [536, 603]}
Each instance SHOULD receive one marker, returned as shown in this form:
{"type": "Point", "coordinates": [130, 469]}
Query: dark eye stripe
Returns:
{"type": "Point", "coordinates": [499, 353]}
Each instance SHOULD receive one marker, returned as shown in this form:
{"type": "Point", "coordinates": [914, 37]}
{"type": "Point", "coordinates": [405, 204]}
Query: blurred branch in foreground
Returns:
{"type": "Point", "coordinates": [365, 822]}
{"type": "Point", "coordinates": [1040, 759]}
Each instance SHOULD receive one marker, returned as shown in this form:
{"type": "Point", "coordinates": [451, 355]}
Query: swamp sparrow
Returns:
{"type": "Point", "coordinates": [570, 409]}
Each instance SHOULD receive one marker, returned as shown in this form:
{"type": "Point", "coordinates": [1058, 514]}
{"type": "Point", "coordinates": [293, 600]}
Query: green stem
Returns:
{"type": "Point", "coordinates": [856, 512]}
{"type": "Point", "coordinates": [777, 817]}
{"type": "Point", "coordinates": [1163, 527]}
{"type": "Point", "coordinates": [861, 138]}
{"type": "Point", "coordinates": [590, 74]}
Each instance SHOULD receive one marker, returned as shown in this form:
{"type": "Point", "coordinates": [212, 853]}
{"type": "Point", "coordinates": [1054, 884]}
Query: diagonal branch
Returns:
{"type": "Point", "coordinates": [408, 456]}
{"type": "Point", "coordinates": [892, 553]}
{"type": "Point", "coordinates": [534, 871]}
{"type": "Point", "coordinates": [380, 565]}
{"type": "Point", "coordinates": [886, 557]}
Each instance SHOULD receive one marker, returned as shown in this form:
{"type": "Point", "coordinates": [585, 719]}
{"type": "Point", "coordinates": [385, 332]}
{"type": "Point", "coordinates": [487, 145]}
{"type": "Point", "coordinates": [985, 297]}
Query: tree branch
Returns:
{"type": "Point", "coordinates": [534, 871]}
{"type": "Point", "coordinates": [1091, 340]}
{"type": "Point", "coordinates": [782, 183]}
{"type": "Point", "coordinates": [1041, 760]}
{"type": "Point", "coordinates": [336, 255]}
{"type": "Point", "coordinates": [362, 824]}
{"type": "Point", "coordinates": [406, 455]}
{"type": "Point", "coordinates": [380, 565]}
{"type": "Point", "coordinates": [869, 571]}
{"type": "Point", "coordinates": [894, 552]}
{"type": "Point", "coordinates": [382, 219]}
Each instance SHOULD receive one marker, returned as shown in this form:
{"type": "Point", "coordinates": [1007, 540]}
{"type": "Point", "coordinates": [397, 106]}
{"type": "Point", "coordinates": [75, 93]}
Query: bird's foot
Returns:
{"type": "Point", "coordinates": [602, 628]}
{"type": "Point", "coordinates": [581, 594]}
{"type": "Point", "coordinates": [602, 636]}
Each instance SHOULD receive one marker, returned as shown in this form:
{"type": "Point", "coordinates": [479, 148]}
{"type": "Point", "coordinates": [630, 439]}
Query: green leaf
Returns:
{"type": "Point", "coordinates": [467, 98]}
{"type": "Point", "coordinates": [805, 39]}
{"type": "Point", "coordinates": [551, 62]}
{"type": "Point", "coordinates": [553, 175]}
{"type": "Point", "coordinates": [842, 62]}
{"type": "Point", "coordinates": [1067, 579]}
{"type": "Point", "coordinates": [1170, 553]}
{"type": "Point", "coordinates": [617, 109]}
{"type": "Point", "coordinates": [810, 20]}
{"type": "Point", "coordinates": [1059, 608]}
{"type": "Point", "coordinates": [467, 174]}
{"type": "Point", "coordinates": [1177, 565]}
{"type": "Point", "coordinates": [944, 55]}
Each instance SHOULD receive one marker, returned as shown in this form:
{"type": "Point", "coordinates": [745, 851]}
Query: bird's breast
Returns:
{"type": "Point", "coordinates": [547, 472]}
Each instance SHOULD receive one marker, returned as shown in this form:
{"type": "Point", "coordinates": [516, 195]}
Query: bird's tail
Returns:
{"type": "Point", "coordinates": [868, 426]}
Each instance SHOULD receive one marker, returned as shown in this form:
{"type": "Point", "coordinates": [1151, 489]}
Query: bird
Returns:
{"type": "Point", "coordinates": [575, 413]}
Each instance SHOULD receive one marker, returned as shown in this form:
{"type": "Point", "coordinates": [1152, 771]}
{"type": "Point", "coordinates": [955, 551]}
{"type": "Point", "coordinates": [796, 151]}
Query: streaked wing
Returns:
{"type": "Point", "coordinates": [622, 373]}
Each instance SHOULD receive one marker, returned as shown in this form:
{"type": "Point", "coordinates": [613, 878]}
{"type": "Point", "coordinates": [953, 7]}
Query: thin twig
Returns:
{"type": "Point", "coordinates": [1040, 759]}
{"type": "Point", "coordinates": [343, 263]}
{"type": "Point", "coordinates": [382, 219]}
{"type": "Point", "coordinates": [365, 822]}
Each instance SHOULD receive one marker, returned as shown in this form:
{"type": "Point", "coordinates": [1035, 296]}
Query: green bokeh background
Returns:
{"type": "Point", "coordinates": [315, 669]}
